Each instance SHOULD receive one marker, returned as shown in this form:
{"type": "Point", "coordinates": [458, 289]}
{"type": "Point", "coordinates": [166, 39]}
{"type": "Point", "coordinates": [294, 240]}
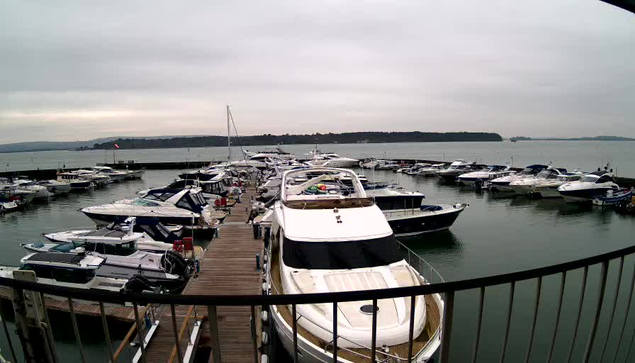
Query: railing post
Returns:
{"type": "Point", "coordinates": [628, 310]}
{"type": "Point", "coordinates": [557, 324]}
{"type": "Point", "coordinates": [617, 295]}
{"type": "Point", "coordinates": [295, 332]}
{"type": "Point", "coordinates": [533, 323]}
{"type": "Point", "coordinates": [335, 313]}
{"type": "Point", "coordinates": [477, 341]}
{"type": "Point", "coordinates": [510, 309]}
{"type": "Point", "coordinates": [598, 311]}
{"type": "Point", "coordinates": [446, 333]}
{"type": "Point", "coordinates": [212, 319]}
{"type": "Point", "coordinates": [577, 320]}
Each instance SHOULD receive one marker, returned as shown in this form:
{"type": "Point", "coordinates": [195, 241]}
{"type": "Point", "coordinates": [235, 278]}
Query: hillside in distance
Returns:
{"type": "Point", "coordinates": [286, 139]}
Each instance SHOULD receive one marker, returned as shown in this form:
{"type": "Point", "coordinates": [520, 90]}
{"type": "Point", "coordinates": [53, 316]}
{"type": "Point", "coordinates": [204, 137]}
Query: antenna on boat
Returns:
{"type": "Point", "coordinates": [229, 142]}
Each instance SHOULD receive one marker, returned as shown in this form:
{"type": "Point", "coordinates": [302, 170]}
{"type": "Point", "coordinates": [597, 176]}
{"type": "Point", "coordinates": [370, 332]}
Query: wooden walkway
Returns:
{"type": "Point", "coordinates": [227, 268]}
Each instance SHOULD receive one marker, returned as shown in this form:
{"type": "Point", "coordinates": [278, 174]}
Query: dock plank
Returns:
{"type": "Point", "coordinates": [228, 267]}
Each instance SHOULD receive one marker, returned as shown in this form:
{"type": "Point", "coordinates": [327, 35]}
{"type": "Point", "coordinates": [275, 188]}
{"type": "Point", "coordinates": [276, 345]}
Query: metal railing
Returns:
{"type": "Point", "coordinates": [447, 289]}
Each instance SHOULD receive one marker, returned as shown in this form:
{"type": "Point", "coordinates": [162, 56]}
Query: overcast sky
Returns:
{"type": "Point", "coordinates": [77, 70]}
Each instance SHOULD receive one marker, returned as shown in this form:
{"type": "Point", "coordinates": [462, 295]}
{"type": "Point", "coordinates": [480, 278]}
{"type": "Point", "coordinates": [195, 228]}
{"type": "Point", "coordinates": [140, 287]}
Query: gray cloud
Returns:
{"type": "Point", "coordinates": [76, 70]}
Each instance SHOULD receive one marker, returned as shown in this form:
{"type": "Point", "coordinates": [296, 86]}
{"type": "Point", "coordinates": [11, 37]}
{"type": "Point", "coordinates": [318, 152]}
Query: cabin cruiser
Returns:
{"type": "Point", "coordinates": [40, 192]}
{"type": "Point", "coordinates": [481, 176]}
{"type": "Point", "coordinates": [548, 188]}
{"type": "Point", "coordinates": [526, 185]}
{"type": "Point", "coordinates": [211, 172]}
{"type": "Point", "coordinates": [379, 164]}
{"type": "Point", "coordinates": [78, 182]}
{"type": "Point", "coordinates": [406, 214]}
{"type": "Point", "coordinates": [114, 175]}
{"type": "Point", "coordinates": [10, 192]}
{"type": "Point", "coordinates": [55, 187]}
{"type": "Point", "coordinates": [308, 229]}
{"type": "Point", "coordinates": [431, 170]}
{"type": "Point", "coordinates": [457, 168]}
{"type": "Point", "coordinates": [212, 189]}
{"type": "Point", "coordinates": [134, 174]}
{"type": "Point", "coordinates": [276, 153]}
{"type": "Point", "coordinates": [589, 187]}
{"type": "Point", "coordinates": [148, 234]}
{"type": "Point", "coordinates": [122, 259]}
{"type": "Point", "coordinates": [185, 207]}
{"type": "Point", "coordinates": [332, 160]}
{"type": "Point", "coordinates": [73, 270]}
{"type": "Point", "coordinates": [98, 179]}
{"type": "Point", "coordinates": [502, 184]}
{"type": "Point", "coordinates": [416, 168]}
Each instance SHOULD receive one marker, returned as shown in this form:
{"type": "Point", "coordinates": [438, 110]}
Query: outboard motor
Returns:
{"type": "Point", "coordinates": [176, 264]}
{"type": "Point", "coordinates": [139, 283]}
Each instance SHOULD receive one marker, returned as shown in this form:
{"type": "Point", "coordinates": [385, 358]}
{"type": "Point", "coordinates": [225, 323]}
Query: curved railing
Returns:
{"type": "Point", "coordinates": [447, 289]}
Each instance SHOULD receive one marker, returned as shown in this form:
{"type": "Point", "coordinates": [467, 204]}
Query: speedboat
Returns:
{"type": "Point", "coordinates": [481, 176]}
{"type": "Point", "coordinates": [98, 179]}
{"type": "Point", "coordinates": [331, 160]}
{"type": "Point", "coordinates": [185, 207]}
{"type": "Point", "coordinates": [526, 185]}
{"type": "Point", "coordinates": [548, 188]}
{"type": "Point", "coordinates": [432, 170]}
{"type": "Point", "coordinates": [311, 225]}
{"type": "Point", "coordinates": [589, 187]}
{"type": "Point", "coordinates": [73, 270]}
{"type": "Point", "coordinates": [55, 187]}
{"type": "Point", "coordinates": [40, 192]}
{"type": "Point", "coordinates": [416, 168]}
{"type": "Point", "coordinates": [217, 187]}
{"type": "Point", "coordinates": [457, 168]}
{"type": "Point", "coordinates": [502, 184]}
{"type": "Point", "coordinates": [148, 234]}
{"type": "Point", "coordinates": [114, 175]}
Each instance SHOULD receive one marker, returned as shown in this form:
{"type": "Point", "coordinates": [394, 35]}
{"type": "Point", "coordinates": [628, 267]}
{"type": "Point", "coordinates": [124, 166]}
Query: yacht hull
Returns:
{"type": "Point", "coordinates": [104, 219]}
{"type": "Point", "coordinates": [582, 195]}
{"type": "Point", "coordinates": [406, 224]}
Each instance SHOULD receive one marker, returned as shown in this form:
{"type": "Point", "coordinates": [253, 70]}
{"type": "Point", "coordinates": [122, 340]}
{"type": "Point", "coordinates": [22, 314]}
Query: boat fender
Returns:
{"type": "Point", "coordinates": [264, 316]}
{"type": "Point", "coordinates": [265, 338]}
{"type": "Point", "coordinates": [264, 358]}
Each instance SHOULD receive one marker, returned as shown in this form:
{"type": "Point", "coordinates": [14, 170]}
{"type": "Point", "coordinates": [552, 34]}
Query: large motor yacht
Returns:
{"type": "Point", "coordinates": [330, 239]}
{"type": "Point", "coordinates": [457, 168]}
{"type": "Point", "coordinates": [331, 160]}
{"type": "Point", "coordinates": [589, 187]}
{"type": "Point", "coordinates": [185, 207]}
{"type": "Point", "coordinates": [502, 184]}
{"type": "Point", "coordinates": [480, 177]}
{"type": "Point", "coordinates": [526, 185]}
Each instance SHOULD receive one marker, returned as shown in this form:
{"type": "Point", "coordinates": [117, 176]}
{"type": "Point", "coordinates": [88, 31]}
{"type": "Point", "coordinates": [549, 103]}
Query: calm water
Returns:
{"type": "Point", "coordinates": [586, 155]}
{"type": "Point", "coordinates": [494, 235]}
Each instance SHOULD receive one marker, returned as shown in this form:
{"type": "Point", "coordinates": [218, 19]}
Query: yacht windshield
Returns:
{"type": "Point", "coordinates": [341, 255]}
{"type": "Point", "coordinates": [589, 178]}
{"type": "Point", "coordinates": [145, 203]}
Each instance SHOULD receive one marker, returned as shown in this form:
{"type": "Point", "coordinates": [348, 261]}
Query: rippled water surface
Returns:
{"type": "Point", "coordinates": [496, 234]}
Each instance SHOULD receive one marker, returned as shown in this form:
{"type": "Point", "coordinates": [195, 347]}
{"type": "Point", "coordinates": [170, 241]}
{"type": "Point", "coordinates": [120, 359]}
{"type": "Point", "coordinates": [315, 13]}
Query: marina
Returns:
{"type": "Point", "coordinates": [232, 263]}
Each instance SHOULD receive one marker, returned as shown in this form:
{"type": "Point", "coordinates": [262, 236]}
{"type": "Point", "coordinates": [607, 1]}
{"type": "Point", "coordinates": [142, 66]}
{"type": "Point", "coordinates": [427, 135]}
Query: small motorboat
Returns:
{"type": "Point", "coordinates": [502, 184]}
{"type": "Point", "coordinates": [74, 270]}
{"type": "Point", "coordinates": [55, 186]}
{"type": "Point", "coordinates": [476, 178]}
{"type": "Point", "coordinates": [526, 185]}
{"type": "Point", "coordinates": [614, 197]}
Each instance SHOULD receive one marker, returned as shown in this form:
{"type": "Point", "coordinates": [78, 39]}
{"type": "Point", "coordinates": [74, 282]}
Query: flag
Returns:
{"type": "Point", "coordinates": [116, 146]}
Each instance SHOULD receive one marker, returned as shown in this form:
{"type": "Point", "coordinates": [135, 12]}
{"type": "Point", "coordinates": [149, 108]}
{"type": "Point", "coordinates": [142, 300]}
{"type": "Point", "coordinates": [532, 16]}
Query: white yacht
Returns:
{"type": "Point", "coordinates": [502, 184]}
{"type": "Point", "coordinates": [71, 270]}
{"type": "Point", "coordinates": [331, 160]}
{"type": "Point", "coordinates": [456, 169]}
{"type": "Point", "coordinates": [186, 207]}
{"type": "Point", "coordinates": [114, 175]}
{"type": "Point", "coordinates": [526, 185]}
{"type": "Point", "coordinates": [40, 192]}
{"type": "Point", "coordinates": [314, 222]}
{"type": "Point", "coordinates": [481, 176]}
{"type": "Point", "coordinates": [548, 188]}
{"type": "Point", "coordinates": [276, 153]}
{"type": "Point", "coordinates": [431, 170]}
{"type": "Point", "coordinates": [55, 186]}
{"type": "Point", "coordinates": [416, 168]}
{"type": "Point", "coordinates": [98, 179]}
{"type": "Point", "coordinates": [589, 187]}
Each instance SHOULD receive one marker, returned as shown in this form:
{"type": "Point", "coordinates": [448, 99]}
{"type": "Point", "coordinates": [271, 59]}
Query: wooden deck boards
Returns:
{"type": "Point", "coordinates": [228, 267]}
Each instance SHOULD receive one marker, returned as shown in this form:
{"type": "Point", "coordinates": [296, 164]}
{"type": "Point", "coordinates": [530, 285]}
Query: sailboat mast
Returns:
{"type": "Point", "coordinates": [229, 144]}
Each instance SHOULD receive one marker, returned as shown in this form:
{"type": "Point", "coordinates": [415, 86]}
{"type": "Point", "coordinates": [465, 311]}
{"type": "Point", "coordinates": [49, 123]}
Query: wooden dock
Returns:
{"type": "Point", "coordinates": [228, 267]}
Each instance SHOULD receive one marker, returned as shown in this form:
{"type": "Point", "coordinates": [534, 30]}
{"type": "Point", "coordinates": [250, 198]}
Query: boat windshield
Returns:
{"type": "Point", "coordinates": [341, 255]}
{"type": "Point", "coordinates": [145, 203]}
{"type": "Point", "coordinates": [589, 178]}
